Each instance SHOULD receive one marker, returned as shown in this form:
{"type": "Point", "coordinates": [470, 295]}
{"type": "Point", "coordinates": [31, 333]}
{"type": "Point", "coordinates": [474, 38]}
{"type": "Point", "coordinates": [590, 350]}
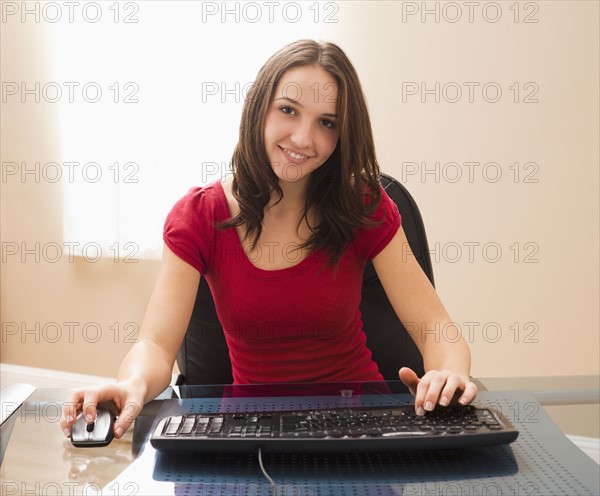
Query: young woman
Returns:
{"type": "Point", "coordinates": [283, 244]}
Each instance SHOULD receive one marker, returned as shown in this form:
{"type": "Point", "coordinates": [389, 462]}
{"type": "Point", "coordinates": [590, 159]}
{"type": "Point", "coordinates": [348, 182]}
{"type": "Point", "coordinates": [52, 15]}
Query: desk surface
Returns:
{"type": "Point", "coordinates": [39, 460]}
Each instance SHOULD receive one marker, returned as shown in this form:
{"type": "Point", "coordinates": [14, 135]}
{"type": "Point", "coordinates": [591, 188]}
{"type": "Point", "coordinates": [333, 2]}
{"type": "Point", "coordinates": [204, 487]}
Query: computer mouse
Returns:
{"type": "Point", "coordinates": [96, 434]}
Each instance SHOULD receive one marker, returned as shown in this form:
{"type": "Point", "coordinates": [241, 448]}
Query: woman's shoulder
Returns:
{"type": "Point", "coordinates": [201, 204]}
{"type": "Point", "coordinates": [206, 195]}
{"type": "Point", "coordinates": [377, 200]}
{"type": "Point", "coordinates": [210, 191]}
{"type": "Point", "coordinates": [189, 229]}
{"type": "Point", "coordinates": [386, 220]}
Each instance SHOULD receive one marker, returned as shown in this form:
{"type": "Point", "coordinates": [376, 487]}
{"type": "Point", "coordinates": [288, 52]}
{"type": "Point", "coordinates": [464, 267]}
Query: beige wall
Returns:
{"type": "Point", "coordinates": [68, 315]}
{"type": "Point", "coordinates": [540, 318]}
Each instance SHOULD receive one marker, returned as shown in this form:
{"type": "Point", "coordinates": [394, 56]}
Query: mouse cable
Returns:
{"type": "Point", "coordinates": [262, 468]}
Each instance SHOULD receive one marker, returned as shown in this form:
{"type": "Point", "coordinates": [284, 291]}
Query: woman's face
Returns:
{"type": "Point", "coordinates": [301, 125]}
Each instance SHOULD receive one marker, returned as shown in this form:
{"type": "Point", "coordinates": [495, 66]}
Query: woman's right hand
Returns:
{"type": "Point", "coordinates": [146, 369]}
{"type": "Point", "coordinates": [124, 399]}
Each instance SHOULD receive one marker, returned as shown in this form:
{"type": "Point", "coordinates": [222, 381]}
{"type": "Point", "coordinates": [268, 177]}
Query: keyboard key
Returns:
{"type": "Point", "coordinates": [173, 425]}
{"type": "Point", "coordinates": [188, 426]}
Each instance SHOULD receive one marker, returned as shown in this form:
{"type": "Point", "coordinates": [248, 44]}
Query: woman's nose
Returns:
{"type": "Point", "coordinates": [302, 136]}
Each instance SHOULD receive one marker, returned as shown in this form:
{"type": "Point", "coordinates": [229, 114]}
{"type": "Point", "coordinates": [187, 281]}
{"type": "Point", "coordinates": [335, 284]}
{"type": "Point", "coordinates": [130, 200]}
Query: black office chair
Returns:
{"type": "Point", "coordinates": [204, 358]}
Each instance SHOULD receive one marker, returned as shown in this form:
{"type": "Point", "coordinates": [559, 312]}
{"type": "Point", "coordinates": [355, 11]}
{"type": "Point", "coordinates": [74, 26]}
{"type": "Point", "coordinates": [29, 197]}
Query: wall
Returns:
{"type": "Point", "coordinates": [56, 315]}
{"type": "Point", "coordinates": [541, 311]}
{"type": "Point", "coordinates": [530, 309]}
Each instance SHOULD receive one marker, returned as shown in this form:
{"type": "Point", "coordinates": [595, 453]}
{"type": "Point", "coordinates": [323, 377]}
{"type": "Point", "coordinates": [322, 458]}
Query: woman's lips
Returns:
{"type": "Point", "coordinates": [295, 157]}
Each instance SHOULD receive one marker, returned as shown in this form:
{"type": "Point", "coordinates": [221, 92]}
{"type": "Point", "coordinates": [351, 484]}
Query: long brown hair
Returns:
{"type": "Point", "coordinates": [336, 190]}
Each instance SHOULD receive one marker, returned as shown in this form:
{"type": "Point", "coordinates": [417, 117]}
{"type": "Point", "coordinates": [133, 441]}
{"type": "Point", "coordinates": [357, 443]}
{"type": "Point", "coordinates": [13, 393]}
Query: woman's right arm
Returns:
{"type": "Point", "coordinates": [147, 368]}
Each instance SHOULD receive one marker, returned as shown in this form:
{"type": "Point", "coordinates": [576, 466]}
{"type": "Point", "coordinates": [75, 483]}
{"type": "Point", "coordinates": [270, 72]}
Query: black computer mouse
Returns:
{"type": "Point", "coordinates": [96, 434]}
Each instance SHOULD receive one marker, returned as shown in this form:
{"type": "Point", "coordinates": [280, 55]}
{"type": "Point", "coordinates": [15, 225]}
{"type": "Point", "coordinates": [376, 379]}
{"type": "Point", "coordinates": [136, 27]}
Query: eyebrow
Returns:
{"type": "Point", "coordinates": [296, 102]}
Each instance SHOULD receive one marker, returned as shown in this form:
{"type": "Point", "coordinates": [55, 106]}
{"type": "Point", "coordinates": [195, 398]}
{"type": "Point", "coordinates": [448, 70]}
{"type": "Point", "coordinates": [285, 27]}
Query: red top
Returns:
{"type": "Point", "coordinates": [296, 324]}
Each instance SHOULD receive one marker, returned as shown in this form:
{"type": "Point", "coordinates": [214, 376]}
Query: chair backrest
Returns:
{"type": "Point", "coordinates": [204, 356]}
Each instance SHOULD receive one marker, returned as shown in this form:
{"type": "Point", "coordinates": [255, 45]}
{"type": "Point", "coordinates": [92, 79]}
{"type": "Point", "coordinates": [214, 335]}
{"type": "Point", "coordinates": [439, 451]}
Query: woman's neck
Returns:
{"type": "Point", "coordinates": [294, 197]}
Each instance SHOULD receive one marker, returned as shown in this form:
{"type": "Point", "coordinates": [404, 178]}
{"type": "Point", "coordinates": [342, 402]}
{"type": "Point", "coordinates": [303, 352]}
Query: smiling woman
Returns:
{"type": "Point", "coordinates": [304, 173]}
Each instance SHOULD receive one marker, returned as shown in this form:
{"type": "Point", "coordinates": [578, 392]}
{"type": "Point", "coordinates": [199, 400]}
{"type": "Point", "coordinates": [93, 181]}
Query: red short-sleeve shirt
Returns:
{"type": "Point", "coordinates": [297, 324]}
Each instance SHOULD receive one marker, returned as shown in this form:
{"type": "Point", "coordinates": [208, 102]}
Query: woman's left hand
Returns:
{"type": "Point", "coordinates": [437, 386]}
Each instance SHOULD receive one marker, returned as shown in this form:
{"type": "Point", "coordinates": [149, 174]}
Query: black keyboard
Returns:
{"type": "Point", "coordinates": [342, 429]}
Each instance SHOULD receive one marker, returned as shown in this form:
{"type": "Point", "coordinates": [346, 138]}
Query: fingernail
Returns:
{"type": "Point", "coordinates": [429, 406]}
{"type": "Point", "coordinates": [444, 401]}
{"type": "Point", "coordinates": [89, 417]}
{"type": "Point", "coordinates": [420, 411]}
{"type": "Point", "coordinates": [119, 431]}
{"type": "Point", "coordinates": [67, 432]}
{"type": "Point", "coordinates": [463, 401]}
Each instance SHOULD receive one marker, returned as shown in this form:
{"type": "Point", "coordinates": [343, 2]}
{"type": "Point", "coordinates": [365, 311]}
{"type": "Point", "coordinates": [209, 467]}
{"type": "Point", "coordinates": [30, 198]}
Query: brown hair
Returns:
{"type": "Point", "coordinates": [336, 190]}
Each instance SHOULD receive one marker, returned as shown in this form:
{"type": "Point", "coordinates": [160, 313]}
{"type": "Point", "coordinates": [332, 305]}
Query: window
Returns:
{"type": "Point", "coordinates": [150, 100]}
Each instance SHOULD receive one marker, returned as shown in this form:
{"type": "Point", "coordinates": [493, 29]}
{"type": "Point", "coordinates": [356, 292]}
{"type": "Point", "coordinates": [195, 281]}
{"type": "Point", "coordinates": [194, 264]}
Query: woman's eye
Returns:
{"type": "Point", "coordinates": [328, 124]}
{"type": "Point", "coordinates": [287, 110]}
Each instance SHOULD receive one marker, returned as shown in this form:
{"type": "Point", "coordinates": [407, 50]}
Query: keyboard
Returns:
{"type": "Point", "coordinates": [378, 428]}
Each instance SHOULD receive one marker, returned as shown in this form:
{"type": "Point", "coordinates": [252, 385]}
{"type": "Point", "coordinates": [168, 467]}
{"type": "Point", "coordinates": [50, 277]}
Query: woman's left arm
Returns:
{"type": "Point", "coordinates": [446, 356]}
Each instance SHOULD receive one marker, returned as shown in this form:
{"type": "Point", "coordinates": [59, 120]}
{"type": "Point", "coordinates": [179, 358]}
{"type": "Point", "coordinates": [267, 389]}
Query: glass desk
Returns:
{"type": "Point", "coordinates": [40, 460]}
